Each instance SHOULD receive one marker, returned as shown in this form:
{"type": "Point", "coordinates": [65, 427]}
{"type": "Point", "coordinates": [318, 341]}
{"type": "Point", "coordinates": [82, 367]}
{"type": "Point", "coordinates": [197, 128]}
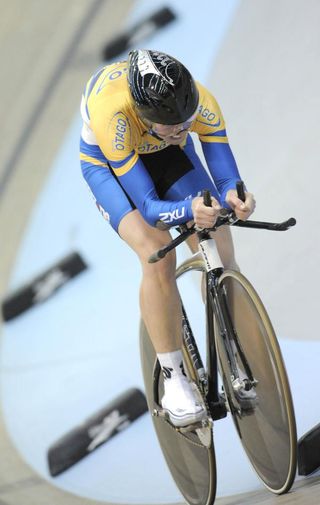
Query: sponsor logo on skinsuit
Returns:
{"type": "Point", "coordinates": [148, 148]}
{"type": "Point", "coordinates": [104, 213]}
{"type": "Point", "coordinates": [121, 129]}
{"type": "Point", "coordinates": [209, 117]}
{"type": "Point", "coordinates": [169, 217]}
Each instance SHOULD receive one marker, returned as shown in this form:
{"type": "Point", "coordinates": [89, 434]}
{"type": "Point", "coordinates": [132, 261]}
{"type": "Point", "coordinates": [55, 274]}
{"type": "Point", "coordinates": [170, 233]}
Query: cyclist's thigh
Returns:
{"type": "Point", "coordinates": [143, 238]}
{"type": "Point", "coordinates": [117, 208]}
{"type": "Point", "coordinates": [225, 246]}
{"type": "Point", "coordinates": [110, 198]}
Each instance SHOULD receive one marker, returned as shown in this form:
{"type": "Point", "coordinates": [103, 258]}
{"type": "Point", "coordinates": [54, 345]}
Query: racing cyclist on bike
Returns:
{"type": "Point", "coordinates": [138, 158]}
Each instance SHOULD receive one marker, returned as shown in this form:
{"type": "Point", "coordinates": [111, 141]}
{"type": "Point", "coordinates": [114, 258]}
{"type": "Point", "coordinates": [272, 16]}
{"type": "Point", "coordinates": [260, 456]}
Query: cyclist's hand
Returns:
{"type": "Point", "coordinates": [205, 217]}
{"type": "Point", "coordinates": [242, 209]}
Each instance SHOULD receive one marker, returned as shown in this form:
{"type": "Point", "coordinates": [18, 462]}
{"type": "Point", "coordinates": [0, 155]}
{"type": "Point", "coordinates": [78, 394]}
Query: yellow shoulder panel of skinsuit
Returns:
{"type": "Point", "coordinates": [209, 123]}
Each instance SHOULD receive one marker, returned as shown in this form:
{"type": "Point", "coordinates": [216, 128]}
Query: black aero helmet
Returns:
{"type": "Point", "coordinates": [162, 88]}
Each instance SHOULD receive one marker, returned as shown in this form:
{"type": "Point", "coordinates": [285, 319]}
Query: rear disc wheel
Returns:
{"type": "Point", "coordinates": [267, 430]}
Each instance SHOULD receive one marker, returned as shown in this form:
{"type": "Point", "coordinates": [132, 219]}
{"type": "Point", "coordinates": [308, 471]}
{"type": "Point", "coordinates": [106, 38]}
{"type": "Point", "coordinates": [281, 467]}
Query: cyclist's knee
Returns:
{"type": "Point", "coordinates": [145, 240]}
{"type": "Point", "coordinates": [164, 267]}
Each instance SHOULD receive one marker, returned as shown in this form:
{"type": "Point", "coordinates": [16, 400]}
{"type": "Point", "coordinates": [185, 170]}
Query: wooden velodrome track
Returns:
{"type": "Point", "coordinates": [47, 51]}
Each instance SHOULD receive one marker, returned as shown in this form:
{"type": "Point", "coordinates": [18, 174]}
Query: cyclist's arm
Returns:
{"type": "Point", "coordinates": [138, 184]}
{"type": "Point", "coordinates": [221, 164]}
{"type": "Point", "coordinates": [210, 127]}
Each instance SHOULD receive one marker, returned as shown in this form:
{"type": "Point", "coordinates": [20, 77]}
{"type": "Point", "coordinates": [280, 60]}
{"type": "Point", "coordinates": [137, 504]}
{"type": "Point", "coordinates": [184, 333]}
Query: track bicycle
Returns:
{"type": "Point", "coordinates": [243, 374]}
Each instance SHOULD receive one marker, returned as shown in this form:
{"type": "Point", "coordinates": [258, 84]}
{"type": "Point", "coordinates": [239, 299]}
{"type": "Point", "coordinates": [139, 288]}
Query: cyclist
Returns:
{"type": "Point", "coordinates": [139, 160]}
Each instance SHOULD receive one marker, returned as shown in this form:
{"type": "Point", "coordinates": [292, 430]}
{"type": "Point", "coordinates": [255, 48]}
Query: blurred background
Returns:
{"type": "Point", "coordinates": [59, 359]}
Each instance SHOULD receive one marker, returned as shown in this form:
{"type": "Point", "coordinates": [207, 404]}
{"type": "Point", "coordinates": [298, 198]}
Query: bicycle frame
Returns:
{"type": "Point", "coordinates": [208, 260]}
{"type": "Point", "coordinates": [215, 307]}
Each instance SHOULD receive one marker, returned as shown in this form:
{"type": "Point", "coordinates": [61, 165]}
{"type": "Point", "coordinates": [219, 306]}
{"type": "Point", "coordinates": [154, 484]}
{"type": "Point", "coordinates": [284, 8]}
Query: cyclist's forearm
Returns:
{"type": "Point", "coordinates": [222, 166]}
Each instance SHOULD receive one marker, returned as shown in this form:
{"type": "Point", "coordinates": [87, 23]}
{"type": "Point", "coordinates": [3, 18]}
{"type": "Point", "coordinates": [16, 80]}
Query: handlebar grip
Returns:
{"type": "Point", "coordinates": [207, 198]}
{"type": "Point", "coordinates": [240, 191]}
{"type": "Point", "coordinates": [286, 224]}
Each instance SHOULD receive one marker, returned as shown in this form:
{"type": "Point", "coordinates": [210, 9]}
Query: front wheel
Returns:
{"type": "Point", "coordinates": [191, 463]}
{"type": "Point", "coordinates": [267, 431]}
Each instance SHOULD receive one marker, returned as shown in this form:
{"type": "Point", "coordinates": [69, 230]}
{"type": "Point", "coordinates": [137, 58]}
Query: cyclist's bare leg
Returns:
{"type": "Point", "coordinates": [161, 312]}
{"type": "Point", "coordinates": [159, 297]}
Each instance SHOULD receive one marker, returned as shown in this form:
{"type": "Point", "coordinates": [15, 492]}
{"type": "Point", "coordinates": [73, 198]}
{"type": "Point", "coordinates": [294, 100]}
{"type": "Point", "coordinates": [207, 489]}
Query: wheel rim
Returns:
{"type": "Point", "coordinates": [268, 433]}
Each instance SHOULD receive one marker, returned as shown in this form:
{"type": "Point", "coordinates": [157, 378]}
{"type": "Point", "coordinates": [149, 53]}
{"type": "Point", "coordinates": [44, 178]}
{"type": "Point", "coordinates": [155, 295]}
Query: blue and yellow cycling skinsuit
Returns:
{"type": "Point", "coordinates": [127, 167]}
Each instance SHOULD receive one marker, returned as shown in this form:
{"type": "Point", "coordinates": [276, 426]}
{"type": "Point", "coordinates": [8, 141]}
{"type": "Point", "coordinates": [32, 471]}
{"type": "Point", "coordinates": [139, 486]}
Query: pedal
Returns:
{"type": "Point", "coordinates": [189, 428]}
{"type": "Point", "coordinates": [203, 430]}
{"type": "Point", "coordinates": [204, 423]}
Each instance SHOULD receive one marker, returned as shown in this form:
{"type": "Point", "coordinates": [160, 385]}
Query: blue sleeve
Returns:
{"type": "Point", "coordinates": [222, 167]}
{"type": "Point", "coordinates": [140, 187]}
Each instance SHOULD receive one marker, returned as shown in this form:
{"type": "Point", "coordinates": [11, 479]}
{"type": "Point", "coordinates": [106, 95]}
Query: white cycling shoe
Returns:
{"type": "Point", "coordinates": [181, 404]}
